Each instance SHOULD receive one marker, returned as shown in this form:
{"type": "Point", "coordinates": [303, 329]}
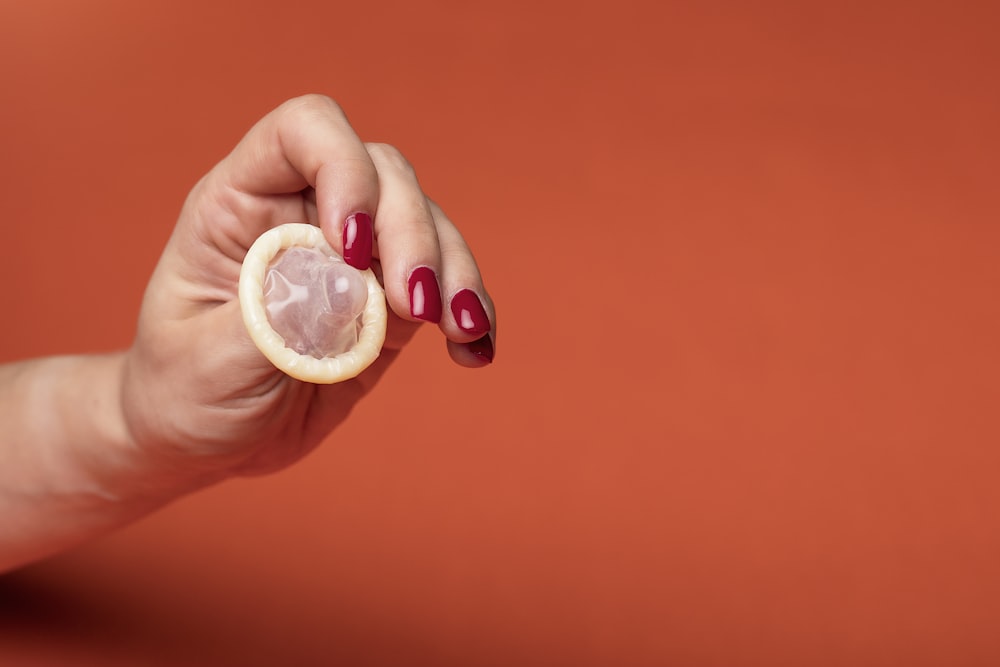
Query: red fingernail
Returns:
{"type": "Point", "coordinates": [482, 348]}
{"type": "Point", "coordinates": [358, 241]}
{"type": "Point", "coordinates": [425, 295]}
{"type": "Point", "coordinates": [469, 312]}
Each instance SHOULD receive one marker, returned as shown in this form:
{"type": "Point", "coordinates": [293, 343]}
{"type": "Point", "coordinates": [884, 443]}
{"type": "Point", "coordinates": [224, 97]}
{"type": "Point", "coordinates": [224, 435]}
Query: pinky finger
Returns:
{"type": "Point", "coordinates": [476, 354]}
{"type": "Point", "coordinates": [463, 289]}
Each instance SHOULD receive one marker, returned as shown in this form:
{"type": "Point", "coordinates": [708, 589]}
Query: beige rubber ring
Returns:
{"type": "Point", "coordinates": [342, 367]}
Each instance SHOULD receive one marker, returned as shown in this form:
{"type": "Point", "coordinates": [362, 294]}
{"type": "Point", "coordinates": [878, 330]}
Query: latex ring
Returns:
{"type": "Point", "coordinates": [328, 370]}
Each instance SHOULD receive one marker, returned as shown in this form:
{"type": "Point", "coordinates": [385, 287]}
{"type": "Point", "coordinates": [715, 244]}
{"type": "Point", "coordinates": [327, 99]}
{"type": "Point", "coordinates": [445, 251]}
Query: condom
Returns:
{"type": "Point", "coordinates": [312, 315]}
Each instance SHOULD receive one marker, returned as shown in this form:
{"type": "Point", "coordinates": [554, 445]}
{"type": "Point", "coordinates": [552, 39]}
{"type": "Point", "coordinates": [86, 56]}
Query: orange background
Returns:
{"type": "Point", "coordinates": [745, 403]}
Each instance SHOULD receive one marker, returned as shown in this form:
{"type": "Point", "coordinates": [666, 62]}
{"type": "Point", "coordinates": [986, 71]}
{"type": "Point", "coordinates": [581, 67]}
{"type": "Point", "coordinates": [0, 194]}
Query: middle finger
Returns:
{"type": "Point", "coordinates": [406, 239]}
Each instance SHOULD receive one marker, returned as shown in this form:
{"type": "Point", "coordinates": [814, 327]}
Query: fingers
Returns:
{"type": "Point", "coordinates": [368, 204]}
{"type": "Point", "coordinates": [429, 272]}
{"type": "Point", "coordinates": [308, 142]}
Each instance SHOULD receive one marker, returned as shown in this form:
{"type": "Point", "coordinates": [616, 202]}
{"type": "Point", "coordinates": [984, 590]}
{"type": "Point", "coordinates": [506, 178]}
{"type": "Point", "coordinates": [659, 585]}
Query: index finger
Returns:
{"type": "Point", "coordinates": [308, 142]}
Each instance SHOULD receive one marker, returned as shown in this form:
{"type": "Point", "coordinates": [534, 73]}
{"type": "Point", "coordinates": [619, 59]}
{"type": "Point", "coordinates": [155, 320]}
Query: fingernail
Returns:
{"type": "Point", "coordinates": [469, 312]}
{"type": "Point", "coordinates": [358, 241]}
{"type": "Point", "coordinates": [482, 348]}
{"type": "Point", "coordinates": [425, 295]}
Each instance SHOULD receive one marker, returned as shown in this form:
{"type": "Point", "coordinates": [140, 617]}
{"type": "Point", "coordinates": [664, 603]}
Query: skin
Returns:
{"type": "Point", "coordinates": [91, 442]}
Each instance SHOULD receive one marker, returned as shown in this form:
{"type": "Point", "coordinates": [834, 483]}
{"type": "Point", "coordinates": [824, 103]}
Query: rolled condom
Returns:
{"type": "Point", "coordinates": [312, 315]}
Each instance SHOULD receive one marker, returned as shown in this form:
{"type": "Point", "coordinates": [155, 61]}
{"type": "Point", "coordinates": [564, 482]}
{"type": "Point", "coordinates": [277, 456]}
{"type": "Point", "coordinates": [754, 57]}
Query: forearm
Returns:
{"type": "Point", "coordinates": [68, 469]}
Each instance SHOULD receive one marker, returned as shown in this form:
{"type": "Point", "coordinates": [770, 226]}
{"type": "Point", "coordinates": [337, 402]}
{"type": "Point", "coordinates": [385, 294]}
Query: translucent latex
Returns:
{"type": "Point", "coordinates": [313, 316]}
{"type": "Point", "coordinates": [314, 301]}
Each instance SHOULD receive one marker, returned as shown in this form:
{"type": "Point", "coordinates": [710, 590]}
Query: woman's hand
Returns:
{"type": "Point", "coordinates": [91, 442]}
{"type": "Point", "coordinates": [198, 398]}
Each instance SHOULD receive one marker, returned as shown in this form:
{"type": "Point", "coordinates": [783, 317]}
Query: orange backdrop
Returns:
{"type": "Point", "coordinates": [745, 403]}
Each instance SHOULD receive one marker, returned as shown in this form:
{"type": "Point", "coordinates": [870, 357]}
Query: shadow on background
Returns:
{"type": "Point", "coordinates": [75, 619]}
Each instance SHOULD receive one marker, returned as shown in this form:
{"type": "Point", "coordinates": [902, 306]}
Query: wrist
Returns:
{"type": "Point", "coordinates": [154, 466]}
{"type": "Point", "coordinates": [94, 456]}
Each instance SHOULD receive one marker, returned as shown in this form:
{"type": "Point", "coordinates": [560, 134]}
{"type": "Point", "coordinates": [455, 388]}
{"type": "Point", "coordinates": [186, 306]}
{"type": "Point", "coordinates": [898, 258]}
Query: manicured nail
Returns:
{"type": "Point", "coordinates": [358, 241]}
{"type": "Point", "coordinates": [482, 348]}
{"type": "Point", "coordinates": [425, 295]}
{"type": "Point", "coordinates": [469, 312]}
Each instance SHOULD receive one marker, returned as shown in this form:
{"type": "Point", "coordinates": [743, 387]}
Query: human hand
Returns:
{"type": "Point", "coordinates": [199, 399]}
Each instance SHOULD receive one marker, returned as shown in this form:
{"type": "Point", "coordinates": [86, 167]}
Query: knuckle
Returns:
{"type": "Point", "coordinates": [312, 104]}
{"type": "Point", "coordinates": [389, 154]}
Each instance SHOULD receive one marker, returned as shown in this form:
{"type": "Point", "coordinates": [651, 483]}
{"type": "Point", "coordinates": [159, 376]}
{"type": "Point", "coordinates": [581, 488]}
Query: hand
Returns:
{"type": "Point", "coordinates": [198, 397]}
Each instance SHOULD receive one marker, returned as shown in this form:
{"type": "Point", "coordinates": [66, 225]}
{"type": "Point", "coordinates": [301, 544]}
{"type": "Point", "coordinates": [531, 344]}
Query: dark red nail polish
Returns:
{"type": "Point", "coordinates": [358, 241]}
{"type": "Point", "coordinates": [425, 295]}
{"type": "Point", "coordinates": [469, 312]}
{"type": "Point", "coordinates": [482, 348]}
